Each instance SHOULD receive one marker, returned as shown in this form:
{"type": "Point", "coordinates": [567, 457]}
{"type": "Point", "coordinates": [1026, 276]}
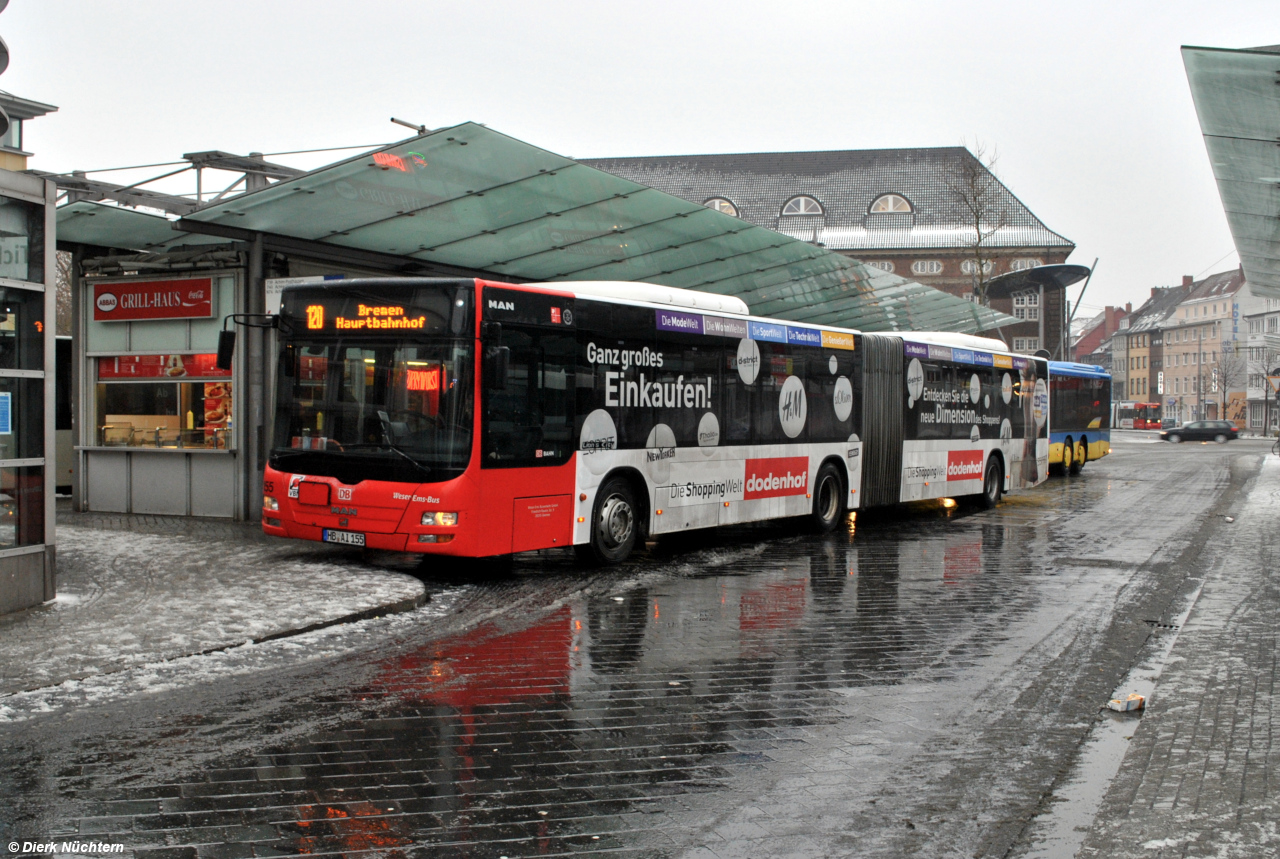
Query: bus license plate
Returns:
{"type": "Point", "coordinates": [346, 538]}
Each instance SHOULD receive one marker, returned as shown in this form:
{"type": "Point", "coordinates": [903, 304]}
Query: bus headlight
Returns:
{"type": "Point", "coordinates": [439, 518]}
{"type": "Point", "coordinates": [269, 503]}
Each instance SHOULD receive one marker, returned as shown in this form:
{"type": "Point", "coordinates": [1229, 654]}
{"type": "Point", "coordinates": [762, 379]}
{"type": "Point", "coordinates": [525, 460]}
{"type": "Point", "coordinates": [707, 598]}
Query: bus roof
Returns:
{"type": "Point", "coordinates": [1071, 368]}
{"type": "Point", "coordinates": [653, 293]}
{"type": "Point", "coordinates": [950, 338]}
{"type": "Point", "coordinates": [658, 296]}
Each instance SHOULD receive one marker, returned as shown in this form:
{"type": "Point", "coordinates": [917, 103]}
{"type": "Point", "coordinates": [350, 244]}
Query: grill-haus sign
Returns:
{"type": "Point", "coordinates": [122, 301]}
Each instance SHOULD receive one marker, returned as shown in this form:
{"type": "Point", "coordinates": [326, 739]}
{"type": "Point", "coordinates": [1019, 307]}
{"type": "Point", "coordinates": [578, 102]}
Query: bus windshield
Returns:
{"type": "Point", "coordinates": [378, 409]}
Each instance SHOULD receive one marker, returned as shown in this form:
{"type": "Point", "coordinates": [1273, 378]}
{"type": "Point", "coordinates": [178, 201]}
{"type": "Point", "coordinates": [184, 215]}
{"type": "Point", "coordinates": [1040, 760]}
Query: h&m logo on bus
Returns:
{"type": "Point", "coordinates": [964, 465]}
{"type": "Point", "coordinates": [772, 478]}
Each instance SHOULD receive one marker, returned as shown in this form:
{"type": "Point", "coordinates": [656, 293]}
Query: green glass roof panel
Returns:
{"type": "Point", "coordinates": [107, 226]}
{"type": "Point", "coordinates": [1229, 87]}
{"type": "Point", "coordinates": [473, 198]}
{"type": "Point", "coordinates": [1238, 104]}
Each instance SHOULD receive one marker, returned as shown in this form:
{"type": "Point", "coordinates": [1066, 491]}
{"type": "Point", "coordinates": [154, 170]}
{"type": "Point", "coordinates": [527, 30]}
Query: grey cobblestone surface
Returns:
{"type": "Point", "coordinates": [1202, 776]}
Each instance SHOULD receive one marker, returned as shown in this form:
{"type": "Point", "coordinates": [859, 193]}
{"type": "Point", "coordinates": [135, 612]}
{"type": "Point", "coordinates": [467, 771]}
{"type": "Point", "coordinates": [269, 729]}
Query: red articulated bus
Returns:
{"type": "Point", "coordinates": [470, 418]}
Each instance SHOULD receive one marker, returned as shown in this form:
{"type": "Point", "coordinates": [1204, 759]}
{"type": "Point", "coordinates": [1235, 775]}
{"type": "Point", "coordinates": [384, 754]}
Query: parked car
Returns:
{"type": "Point", "coordinates": [1219, 431]}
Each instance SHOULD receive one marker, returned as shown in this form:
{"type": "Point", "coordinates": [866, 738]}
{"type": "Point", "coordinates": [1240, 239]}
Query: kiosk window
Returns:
{"type": "Point", "coordinates": [153, 401]}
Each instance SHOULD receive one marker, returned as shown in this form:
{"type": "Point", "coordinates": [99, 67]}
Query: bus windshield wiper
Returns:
{"type": "Point", "coordinates": [392, 446]}
{"type": "Point", "coordinates": [394, 449]}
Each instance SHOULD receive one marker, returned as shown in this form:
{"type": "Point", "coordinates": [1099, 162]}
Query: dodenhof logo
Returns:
{"type": "Point", "coordinates": [773, 478]}
{"type": "Point", "coordinates": [964, 465]}
{"type": "Point", "coordinates": [107, 302]}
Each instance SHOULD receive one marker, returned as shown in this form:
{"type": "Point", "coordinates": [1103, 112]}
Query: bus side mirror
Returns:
{"type": "Point", "coordinates": [226, 348]}
{"type": "Point", "coordinates": [496, 359]}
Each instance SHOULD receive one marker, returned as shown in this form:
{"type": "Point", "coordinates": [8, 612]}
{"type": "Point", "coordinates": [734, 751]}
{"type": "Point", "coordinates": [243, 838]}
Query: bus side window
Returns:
{"type": "Point", "coordinates": [529, 420]}
{"type": "Point", "coordinates": [777, 364]}
{"type": "Point", "coordinates": [821, 385]}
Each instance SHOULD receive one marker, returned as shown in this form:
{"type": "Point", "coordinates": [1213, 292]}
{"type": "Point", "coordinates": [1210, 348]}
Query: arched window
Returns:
{"type": "Point", "coordinates": [1024, 264]}
{"type": "Point", "coordinates": [970, 266]}
{"type": "Point", "coordinates": [882, 264]}
{"type": "Point", "coordinates": [926, 266]}
{"type": "Point", "coordinates": [802, 206]}
{"type": "Point", "coordinates": [720, 204]}
{"type": "Point", "coordinates": [894, 204]}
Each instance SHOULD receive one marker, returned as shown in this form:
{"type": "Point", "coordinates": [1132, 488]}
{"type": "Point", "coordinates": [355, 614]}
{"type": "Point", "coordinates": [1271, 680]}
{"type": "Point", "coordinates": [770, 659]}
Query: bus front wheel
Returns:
{"type": "Point", "coordinates": [828, 500]}
{"type": "Point", "coordinates": [614, 524]}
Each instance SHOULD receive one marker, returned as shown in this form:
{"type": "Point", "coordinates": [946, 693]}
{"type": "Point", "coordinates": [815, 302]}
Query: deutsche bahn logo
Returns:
{"type": "Point", "coordinates": [772, 478]}
{"type": "Point", "coordinates": [964, 465]}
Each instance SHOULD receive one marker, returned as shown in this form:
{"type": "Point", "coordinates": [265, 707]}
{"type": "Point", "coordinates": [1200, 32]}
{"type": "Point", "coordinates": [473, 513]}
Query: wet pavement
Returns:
{"type": "Point", "coordinates": [141, 590]}
{"type": "Point", "coordinates": [927, 682]}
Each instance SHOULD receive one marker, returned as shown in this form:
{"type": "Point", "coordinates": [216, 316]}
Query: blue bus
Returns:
{"type": "Point", "coordinates": [1079, 414]}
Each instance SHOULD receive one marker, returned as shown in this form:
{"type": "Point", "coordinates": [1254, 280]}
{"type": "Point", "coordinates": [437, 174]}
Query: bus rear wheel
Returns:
{"type": "Point", "coordinates": [614, 524]}
{"type": "Point", "coordinates": [992, 485]}
{"type": "Point", "coordinates": [828, 500]}
{"type": "Point", "coordinates": [1081, 456]}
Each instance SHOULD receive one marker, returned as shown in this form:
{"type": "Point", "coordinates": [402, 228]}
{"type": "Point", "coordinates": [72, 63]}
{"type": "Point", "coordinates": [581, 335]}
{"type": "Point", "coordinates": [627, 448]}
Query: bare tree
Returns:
{"type": "Point", "coordinates": [1233, 376]}
{"type": "Point", "coordinates": [983, 206]}
{"type": "Point", "coordinates": [1261, 361]}
{"type": "Point", "coordinates": [64, 294]}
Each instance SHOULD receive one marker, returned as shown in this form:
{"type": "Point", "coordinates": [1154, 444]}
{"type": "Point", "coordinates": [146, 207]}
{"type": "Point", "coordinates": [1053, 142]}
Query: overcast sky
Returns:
{"type": "Point", "coordinates": [1086, 103]}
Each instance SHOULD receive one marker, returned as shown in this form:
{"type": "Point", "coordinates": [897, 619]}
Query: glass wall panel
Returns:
{"type": "Point", "coordinates": [21, 321]}
{"type": "Point", "coordinates": [21, 240]}
{"type": "Point", "coordinates": [21, 418]}
{"type": "Point", "coordinates": [21, 507]}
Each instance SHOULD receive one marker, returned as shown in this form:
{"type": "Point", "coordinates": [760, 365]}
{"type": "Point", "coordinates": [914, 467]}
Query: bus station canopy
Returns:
{"type": "Point", "coordinates": [108, 226]}
{"type": "Point", "coordinates": [470, 198]}
{"type": "Point", "coordinates": [1238, 102]}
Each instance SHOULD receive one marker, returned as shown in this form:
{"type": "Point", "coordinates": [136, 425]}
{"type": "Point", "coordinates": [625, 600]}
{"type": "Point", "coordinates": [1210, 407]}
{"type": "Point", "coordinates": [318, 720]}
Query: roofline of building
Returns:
{"type": "Point", "coordinates": [24, 108]}
{"type": "Point", "coordinates": [1266, 49]}
{"type": "Point", "coordinates": [781, 152]}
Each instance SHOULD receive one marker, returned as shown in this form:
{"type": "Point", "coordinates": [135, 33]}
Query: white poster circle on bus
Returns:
{"type": "Point", "coordinates": [793, 406]}
{"type": "Point", "coordinates": [748, 360]}
{"type": "Point", "coordinates": [599, 434]}
{"type": "Point", "coordinates": [660, 452]}
{"type": "Point", "coordinates": [915, 382]}
{"type": "Point", "coordinates": [709, 434]}
{"type": "Point", "coordinates": [842, 399]}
